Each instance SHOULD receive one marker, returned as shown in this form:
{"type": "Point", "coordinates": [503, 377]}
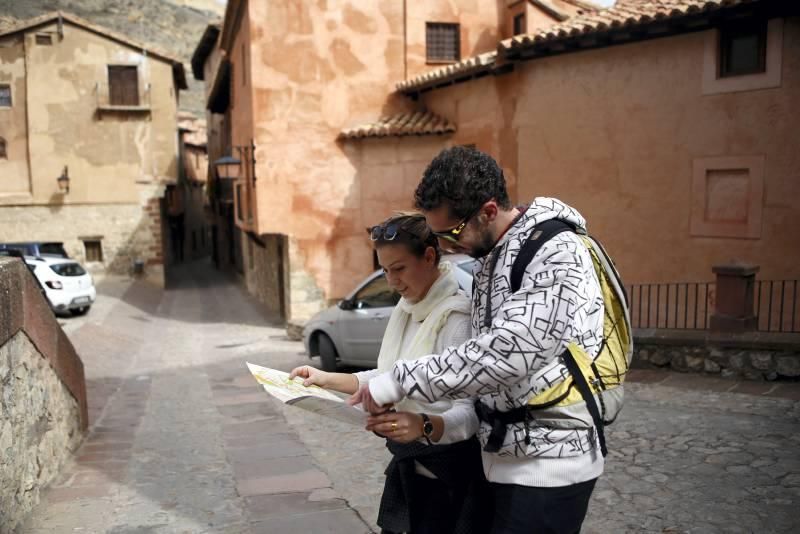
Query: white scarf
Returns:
{"type": "Point", "coordinates": [432, 311]}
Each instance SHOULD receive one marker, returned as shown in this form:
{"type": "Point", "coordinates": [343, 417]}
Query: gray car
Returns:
{"type": "Point", "coordinates": [350, 332]}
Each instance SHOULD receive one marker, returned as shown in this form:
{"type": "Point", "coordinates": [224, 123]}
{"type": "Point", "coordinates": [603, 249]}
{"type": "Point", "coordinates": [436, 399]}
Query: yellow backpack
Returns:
{"type": "Point", "coordinates": [591, 394]}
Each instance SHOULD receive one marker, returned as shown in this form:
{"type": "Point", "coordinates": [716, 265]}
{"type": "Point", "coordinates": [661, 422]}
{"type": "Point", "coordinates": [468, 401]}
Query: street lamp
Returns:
{"type": "Point", "coordinates": [63, 181]}
{"type": "Point", "coordinates": [228, 168]}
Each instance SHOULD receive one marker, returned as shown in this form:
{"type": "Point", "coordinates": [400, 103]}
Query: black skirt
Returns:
{"type": "Point", "coordinates": [457, 501]}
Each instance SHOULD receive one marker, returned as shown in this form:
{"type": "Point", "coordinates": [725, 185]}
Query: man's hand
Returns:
{"type": "Point", "coordinates": [402, 427]}
{"type": "Point", "coordinates": [311, 376]}
{"type": "Point", "coordinates": [364, 397]}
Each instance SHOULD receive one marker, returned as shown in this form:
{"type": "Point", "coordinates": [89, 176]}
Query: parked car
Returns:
{"type": "Point", "coordinates": [66, 283]}
{"type": "Point", "coordinates": [38, 249]}
{"type": "Point", "coordinates": [351, 331]}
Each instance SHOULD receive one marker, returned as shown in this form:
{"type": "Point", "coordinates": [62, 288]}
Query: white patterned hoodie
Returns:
{"type": "Point", "coordinates": [518, 355]}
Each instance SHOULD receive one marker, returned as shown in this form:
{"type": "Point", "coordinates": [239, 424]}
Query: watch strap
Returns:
{"type": "Point", "coordinates": [427, 428]}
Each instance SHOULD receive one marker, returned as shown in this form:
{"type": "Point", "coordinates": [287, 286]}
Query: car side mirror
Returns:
{"type": "Point", "coordinates": [346, 304]}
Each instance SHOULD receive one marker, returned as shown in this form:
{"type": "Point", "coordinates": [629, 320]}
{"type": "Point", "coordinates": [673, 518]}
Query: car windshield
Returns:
{"type": "Point", "coordinates": [52, 249]}
{"type": "Point", "coordinates": [68, 269]}
{"type": "Point", "coordinates": [467, 265]}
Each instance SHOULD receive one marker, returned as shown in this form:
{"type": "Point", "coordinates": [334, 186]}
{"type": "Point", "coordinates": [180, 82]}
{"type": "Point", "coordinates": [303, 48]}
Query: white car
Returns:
{"type": "Point", "coordinates": [66, 283]}
{"type": "Point", "coordinates": [350, 332]}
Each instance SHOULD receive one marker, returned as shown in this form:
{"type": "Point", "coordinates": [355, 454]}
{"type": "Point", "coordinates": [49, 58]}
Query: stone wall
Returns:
{"type": "Point", "coordinates": [43, 409]}
{"type": "Point", "coordinates": [265, 272]}
{"type": "Point", "coordinates": [751, 356]}
{"type": "Point", "coordinates": [126, 231]}
{"type": "Point", "coordinates": [39, 428]}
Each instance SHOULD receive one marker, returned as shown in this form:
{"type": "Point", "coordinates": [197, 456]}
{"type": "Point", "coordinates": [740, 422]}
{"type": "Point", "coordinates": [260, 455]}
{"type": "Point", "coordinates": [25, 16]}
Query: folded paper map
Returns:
{"type": "Point", "coordinates": [311, 398]}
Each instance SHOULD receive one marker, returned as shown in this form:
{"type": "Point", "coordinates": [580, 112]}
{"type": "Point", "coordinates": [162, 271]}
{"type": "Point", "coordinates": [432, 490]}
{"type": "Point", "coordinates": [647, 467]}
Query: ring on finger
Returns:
{"type": "Point", "coordinates": [394, 427]}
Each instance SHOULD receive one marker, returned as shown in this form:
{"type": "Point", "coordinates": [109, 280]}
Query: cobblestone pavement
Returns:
{"type": "Point", "coordinates": [686, 455]}
{"type": "Point", "coordinates": [183, 440]}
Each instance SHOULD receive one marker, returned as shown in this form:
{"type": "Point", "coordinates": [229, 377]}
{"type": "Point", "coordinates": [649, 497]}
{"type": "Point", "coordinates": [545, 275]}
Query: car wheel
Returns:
{"type": "Point", "coordinates": [327, 353]}
{"type": "Point", "coordinates": [80, 311]}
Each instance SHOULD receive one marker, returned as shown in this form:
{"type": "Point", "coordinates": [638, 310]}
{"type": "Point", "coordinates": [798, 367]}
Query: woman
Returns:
{"type": "Point", "coordinates": [435, 482]}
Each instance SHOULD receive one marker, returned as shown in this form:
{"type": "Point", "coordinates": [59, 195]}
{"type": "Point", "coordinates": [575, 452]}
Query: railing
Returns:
{"type": "Point", "coordinates": [690, 305]}
{"type": "Point", "coordinates": [102, 93]}
{"type": "Point", "coordinates": [776, 306]}
{"type": "Point", "coordinates": [686, 305]}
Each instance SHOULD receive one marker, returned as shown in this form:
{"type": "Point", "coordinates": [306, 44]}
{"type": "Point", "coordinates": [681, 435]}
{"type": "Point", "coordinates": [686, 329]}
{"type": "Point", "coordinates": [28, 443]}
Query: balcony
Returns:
{"type": "Point", "coordinates": [139, 102]}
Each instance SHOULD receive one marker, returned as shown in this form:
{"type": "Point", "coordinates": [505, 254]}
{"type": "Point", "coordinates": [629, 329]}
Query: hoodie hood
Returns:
{"type": "Point", "coordinates": [540, 210]}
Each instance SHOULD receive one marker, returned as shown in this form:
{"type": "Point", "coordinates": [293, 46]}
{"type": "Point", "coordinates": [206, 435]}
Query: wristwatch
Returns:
{"type": "Point", "coordinates": [427, 428]}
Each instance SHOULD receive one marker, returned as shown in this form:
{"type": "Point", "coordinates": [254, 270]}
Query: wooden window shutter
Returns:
{"type": "Point", "coordinates": [123, 85]}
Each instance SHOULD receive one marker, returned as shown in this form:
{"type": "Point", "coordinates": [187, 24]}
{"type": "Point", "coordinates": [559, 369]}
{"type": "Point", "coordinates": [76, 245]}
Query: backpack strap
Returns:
{"type": "Point", "coordinates": [541, 233]}
{"type": "Point", "coordinates": [583, 386]}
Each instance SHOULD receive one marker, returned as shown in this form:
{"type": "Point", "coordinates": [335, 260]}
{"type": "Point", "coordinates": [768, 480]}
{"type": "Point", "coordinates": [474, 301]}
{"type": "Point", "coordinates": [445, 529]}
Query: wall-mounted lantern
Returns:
{"type": "Point", "coordinates": [228, 168]}
{"type": "Point", "coordinates": [63, 181]}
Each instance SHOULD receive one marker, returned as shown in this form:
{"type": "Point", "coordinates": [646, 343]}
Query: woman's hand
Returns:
{"type": "Point", "coordinates": [311, 376]}
{"type": "Point", "coordinates": [402, 427]}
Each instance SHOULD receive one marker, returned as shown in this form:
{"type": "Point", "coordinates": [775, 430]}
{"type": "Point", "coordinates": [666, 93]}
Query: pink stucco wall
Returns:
{"type": "Point", "coordinates": [616, 132]}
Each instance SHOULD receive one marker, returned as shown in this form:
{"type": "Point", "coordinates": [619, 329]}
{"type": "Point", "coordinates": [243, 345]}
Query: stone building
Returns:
{"type": "Point", "coordinates": [661, 121]}
{"type": "Point", "coordinates": [187, 200]}
{"type": "Point", "coordinates": [83, 102]}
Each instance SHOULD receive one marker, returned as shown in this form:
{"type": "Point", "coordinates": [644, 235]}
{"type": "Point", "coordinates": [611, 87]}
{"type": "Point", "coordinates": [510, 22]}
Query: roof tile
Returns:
{"type": "Point", "coordinates": [413, 123]}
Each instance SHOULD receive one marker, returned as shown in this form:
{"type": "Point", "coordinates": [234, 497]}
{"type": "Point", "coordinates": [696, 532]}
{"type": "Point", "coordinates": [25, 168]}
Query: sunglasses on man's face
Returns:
{"type": "Point", "coordinates": [454, 234]}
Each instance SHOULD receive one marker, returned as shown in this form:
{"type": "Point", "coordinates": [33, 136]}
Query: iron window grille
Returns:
{"type": "Point", "coordinates": [442, 42]}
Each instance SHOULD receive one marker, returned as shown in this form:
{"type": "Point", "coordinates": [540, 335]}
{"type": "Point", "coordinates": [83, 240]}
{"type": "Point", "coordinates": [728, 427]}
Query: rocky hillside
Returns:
{"type": "Point", "coordinates": [173, 25]}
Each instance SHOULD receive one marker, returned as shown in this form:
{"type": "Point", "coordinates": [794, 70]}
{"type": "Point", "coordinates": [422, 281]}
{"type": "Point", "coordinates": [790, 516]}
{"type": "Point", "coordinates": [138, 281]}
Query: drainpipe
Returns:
{"type": "Point", "coordinates": [405, 41]}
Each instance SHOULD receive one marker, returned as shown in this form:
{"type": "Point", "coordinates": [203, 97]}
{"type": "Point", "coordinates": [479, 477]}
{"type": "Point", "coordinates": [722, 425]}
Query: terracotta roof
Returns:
{"type": "Point", "coordinates": [414, 123]}
{"type": "Point", "coordinates": [48, 18]}
{"type": "Point", "coordinates": [624, 14]}
{"type": "Point", "coordinates": [467, 68]}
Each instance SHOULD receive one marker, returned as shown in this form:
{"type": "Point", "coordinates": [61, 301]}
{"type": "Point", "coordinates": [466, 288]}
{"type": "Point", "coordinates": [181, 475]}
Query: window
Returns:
{"type": "Point", "coordinates": [123, 85]}
{"type": "Point", "coordinates": [94, 250]}
{"type": "Point", "coordinates": [67, 269]}
{"type": "Point", "coordinates": [519, 24]}
{"type": "Point", "coordinates": [244, 68]}
{"type": "Point", "coordinates": [44, 39]}
{"type": "Point", "coordinates": [3, 154]}
{"type": "Point", "coordinates": [743, 48]}
{"type": "Point", "coordinates": [376, 294]}
{"type": "Point", "coordinates": [442, 42]}
{"type": "Point", "coordinates": [5, 95]}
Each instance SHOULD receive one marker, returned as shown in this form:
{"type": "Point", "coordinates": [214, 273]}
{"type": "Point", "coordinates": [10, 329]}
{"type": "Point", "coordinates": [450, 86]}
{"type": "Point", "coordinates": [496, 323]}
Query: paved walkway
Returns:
{"type": "Point", "coordinates": [183, 440]}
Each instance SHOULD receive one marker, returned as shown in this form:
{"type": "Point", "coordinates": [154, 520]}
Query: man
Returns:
{"type": "Point", "coordinates": [542, 473]}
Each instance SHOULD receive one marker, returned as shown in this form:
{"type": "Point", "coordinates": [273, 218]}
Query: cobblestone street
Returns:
{"type": "Point", "coordinates": [182, 439]}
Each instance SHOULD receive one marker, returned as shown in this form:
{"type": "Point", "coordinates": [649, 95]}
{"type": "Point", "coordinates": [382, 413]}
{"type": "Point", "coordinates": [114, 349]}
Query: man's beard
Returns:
{"type": "Point", "coordinates": [484, 246]}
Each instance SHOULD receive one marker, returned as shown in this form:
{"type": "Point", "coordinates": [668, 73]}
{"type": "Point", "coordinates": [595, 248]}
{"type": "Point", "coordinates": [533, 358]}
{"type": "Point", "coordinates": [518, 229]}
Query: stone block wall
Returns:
{"type": "Point", "coordinates": [43, 410]}
{"type": "Point", "coordinates": [752, 356]}
{"type": "Point", "coordinates": [265, 271]}
{"type": "Point", "coordinates": [39, 427]}
{"type": "Point", "coordinates": [126, 231]}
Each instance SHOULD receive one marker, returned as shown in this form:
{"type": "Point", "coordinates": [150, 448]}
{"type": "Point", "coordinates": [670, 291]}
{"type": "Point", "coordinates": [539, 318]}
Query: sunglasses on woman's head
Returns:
{"type": "Point", "coordinates": [387, 232]}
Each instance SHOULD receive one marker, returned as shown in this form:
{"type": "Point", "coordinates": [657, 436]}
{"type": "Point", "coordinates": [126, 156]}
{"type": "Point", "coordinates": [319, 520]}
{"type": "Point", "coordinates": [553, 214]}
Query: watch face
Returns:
{"type": "Point", "coordinates": [427, 428]}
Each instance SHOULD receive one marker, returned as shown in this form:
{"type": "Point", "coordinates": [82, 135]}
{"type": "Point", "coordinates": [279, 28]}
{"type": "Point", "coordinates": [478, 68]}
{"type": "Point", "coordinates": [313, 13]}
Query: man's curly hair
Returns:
{"type": "Point", "coordinates": [463, 179]}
